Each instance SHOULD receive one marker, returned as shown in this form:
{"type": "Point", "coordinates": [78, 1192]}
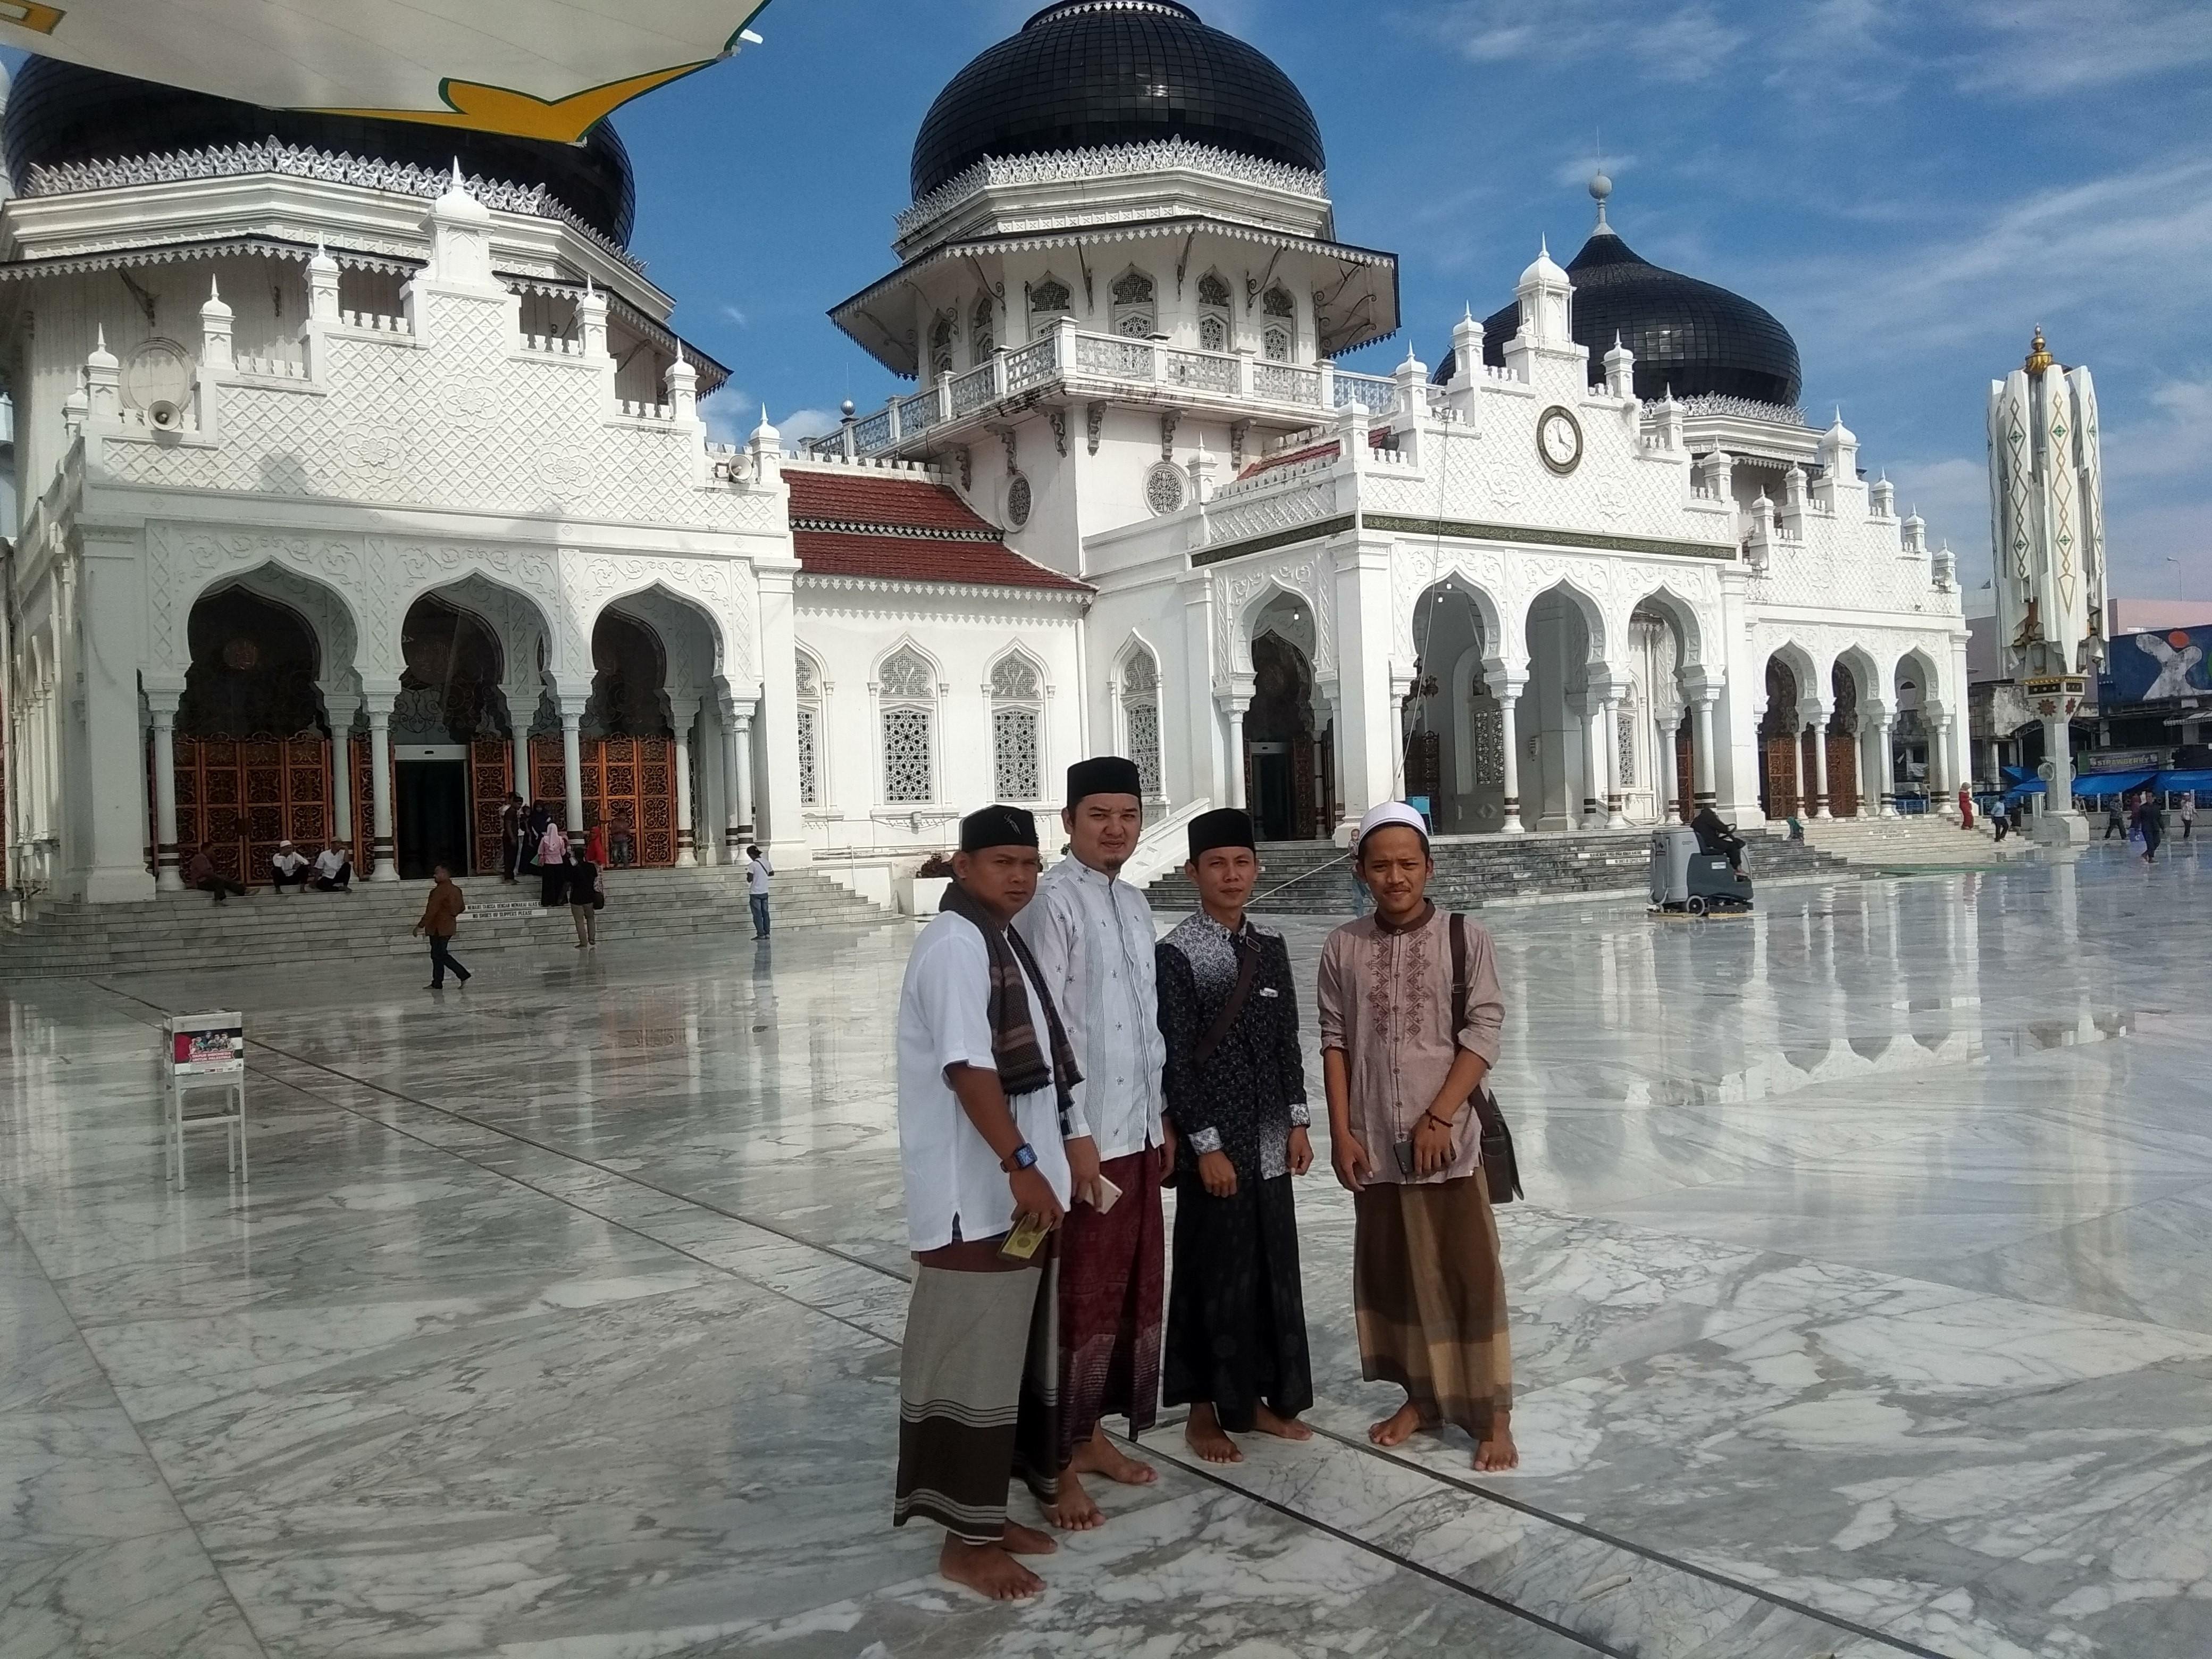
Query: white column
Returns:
{"type": "Point", "coordinates": [1509, 698]}
{"type": "Point", "coordinates": [1820, 769]}
{"type": "Point", "coordinates": [572, 762]}
{"type": "Point", "coordinates": [1937, 725]}
{"type": "Point", "coordinates": [779, 822]}
{"type": "Point", "coordinates": [341, 705]}
{"type": "Point", "coordinates": [1235, 707]}
{"type": "Point", "coordinates": [521, 714]}
{"type": "Point", "coordinates": [686, 715]}
{"type": "Point", "coordinates": [1594, 768]}
{"type": "Point", "coordinates": [382, 850]}
{"type": "Point", "coordinates": [1615, 818]}
{"type": "Point", "coordinates": [737, 751]}
{"type": "Point", "coordinates": [161, 707]}
{"type": "Point", "coordinates": [1797, 767]}
{"type": "Point", "coordinates": [1886, 764]}
{"type": "Point", "coordinates": [1701, 748]}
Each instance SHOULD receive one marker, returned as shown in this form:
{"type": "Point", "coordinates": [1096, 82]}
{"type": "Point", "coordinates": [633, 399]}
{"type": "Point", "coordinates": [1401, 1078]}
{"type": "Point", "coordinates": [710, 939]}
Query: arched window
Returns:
{"type": "Point", "coordinates": [1277, 302]}
{"type": "Point", "coordinates": [983, 334]}
{"type": "Point", "coordinates": [1048, 303]}
{"type": "Point", "coordinates": [1017, 724]}
{"type": "Point", "coordinates": [1140, 718]}
{"type": "Point", "coordinates": [1282, 310]}
{"type": "Point", "coordinates": [906, 690]}
{"type": "Point", "coordinates": [809, 732]}
{"type": "Point", "coordinates": [1275, 344]}
{"type": "Point", "coordinates": [1213, 333]}
{"type": "Point", "coordinates": [941, 333]}
{"type": "Point", "coordinates": [1133, 312]}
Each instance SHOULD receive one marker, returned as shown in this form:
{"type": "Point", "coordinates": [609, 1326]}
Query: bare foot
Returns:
{"type": "Point", "coordinates": [1018, 1539]}
{"type": "Point", "coordinates": [1074, 1512]}
{"type": "Point", "coordinates": [1203, 1434]}
{"type": "Point", "coordinates": [1099, 1455]}
{"type": "Point", "coordinates": [1499, 1452]}
{"type": "Point", "coordinates": [1397, 1428]}
{"type": "Point", "coordinates": [989, 1571]}
{"type": "Point", "coordinates": [1283, 1428]}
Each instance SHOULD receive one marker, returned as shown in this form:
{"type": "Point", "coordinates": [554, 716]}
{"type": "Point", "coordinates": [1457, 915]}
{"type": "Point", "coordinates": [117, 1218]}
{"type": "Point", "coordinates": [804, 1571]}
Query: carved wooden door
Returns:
{"type": "Point", "coordinates": [1686, 772]}
{"type": "Point", "coordinates": [1781, 761]}
{"type": "Point", "coordinates": [1304, 795]}
{"type": "Point", "coordinates": [1842, 774]}
{"type": "Point", "coordinates": [491, 775]}
{"type": "Point", "coordinates": [240, 797]}
{"type": "Point", "coordinates": [630, 789]}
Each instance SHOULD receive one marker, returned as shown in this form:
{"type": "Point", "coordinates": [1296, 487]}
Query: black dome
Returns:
{"type": "Point", "coordinates": [60, 112]}
{"type": "Point", "coordinates": [1688, 335]}
{"type": "Point", "coordinates": [1090, 72]}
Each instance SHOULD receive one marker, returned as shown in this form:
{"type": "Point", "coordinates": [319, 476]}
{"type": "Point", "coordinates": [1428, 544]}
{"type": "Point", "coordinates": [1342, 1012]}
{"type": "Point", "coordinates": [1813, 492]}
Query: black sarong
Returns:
{"type": "Point", "coordinates": [1237, 1319]}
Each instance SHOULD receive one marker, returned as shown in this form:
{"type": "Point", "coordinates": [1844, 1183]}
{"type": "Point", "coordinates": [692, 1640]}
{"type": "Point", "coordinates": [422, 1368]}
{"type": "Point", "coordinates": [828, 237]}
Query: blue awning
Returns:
{"type": "Point", "coordinates": [2096, 785]}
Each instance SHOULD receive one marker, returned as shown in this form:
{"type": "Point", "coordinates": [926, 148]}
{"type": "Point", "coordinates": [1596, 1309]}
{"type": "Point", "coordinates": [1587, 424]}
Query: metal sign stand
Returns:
{"type": "Point", "coordinates": [202, 1052]}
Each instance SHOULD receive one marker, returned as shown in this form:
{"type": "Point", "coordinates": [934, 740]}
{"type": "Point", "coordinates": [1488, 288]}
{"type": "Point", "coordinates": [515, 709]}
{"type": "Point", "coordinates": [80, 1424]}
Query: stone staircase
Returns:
{"type": "Point", "coordinates": [189, 932]}
{"type": "Point", "coordinates": [1472, 871]}
{"type": "Point", "coordinates": [1923, 841]}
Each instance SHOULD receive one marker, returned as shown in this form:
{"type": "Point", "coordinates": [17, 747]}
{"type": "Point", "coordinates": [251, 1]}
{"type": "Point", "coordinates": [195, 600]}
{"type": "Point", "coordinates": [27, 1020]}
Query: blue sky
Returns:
{"type": "Point", "coordinates": [1911, 185]}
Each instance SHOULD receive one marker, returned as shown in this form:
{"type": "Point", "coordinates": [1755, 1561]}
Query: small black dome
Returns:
{"type": "Point", "coordinates": [1688, 335]}
{"type": "Point", "coordinates": [59, 113]}
{"type": "Point", "coordinates": [1092, 72]}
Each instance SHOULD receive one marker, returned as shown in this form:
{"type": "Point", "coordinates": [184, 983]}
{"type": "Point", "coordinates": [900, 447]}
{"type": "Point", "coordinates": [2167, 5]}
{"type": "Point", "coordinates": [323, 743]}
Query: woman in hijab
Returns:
{"type": "Point", "coordinates": [553, 864]}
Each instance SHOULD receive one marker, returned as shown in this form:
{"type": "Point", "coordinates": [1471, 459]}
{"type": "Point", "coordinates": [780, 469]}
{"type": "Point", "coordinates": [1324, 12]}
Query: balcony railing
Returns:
{"type": "Point", "coordinates": [1067, 355]}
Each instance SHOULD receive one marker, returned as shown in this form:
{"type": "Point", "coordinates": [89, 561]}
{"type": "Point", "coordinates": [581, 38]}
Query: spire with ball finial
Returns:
{"type": "Point", "coordinates": [2039, 355]}
{"type": "Point", "coordinates": [1600, 188]}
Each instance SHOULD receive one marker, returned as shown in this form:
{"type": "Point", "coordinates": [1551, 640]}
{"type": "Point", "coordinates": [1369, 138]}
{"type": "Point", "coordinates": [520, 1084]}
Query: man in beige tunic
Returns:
{"type": "Point", "coordinates": [1427, 1287]}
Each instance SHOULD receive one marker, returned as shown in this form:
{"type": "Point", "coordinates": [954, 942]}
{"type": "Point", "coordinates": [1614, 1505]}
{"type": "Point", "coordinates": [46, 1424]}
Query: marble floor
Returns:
{"type": "Point", "coordinates": [1862, 1303]}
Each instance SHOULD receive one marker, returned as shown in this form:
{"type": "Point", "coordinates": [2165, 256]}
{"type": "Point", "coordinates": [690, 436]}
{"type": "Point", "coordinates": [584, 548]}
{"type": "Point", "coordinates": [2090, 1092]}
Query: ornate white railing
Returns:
{"type": "Point", "coordinates": [971, 390]}
{"type": "Point", "coordinates": [1377, 393]}
{"type": "Point", "coordinates": [1032, 365]}
{"type": "Point", "coordinates": [1112, 356]}
{"type": "Point", "coordinates": [1282, 384]}
{"type": "Point", "coordinates": [1748, 409]}
{"type": "Point", "coordinates": [1204, 371]}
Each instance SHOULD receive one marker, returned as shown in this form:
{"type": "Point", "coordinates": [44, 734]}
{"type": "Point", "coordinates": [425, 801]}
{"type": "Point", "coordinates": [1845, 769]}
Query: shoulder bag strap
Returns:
{"type": "Point", "coordinates": [1485, 1107]}
{"type": "Point", "coordinates": [1248, 970]}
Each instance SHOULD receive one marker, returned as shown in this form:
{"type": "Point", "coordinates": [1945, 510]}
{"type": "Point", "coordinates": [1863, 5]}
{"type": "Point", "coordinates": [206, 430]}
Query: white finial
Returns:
{"type": "Point", "coordinates": [1600, 188]}
{"type": "Point", "coordinates": [1467, 313]}
{"type": "Point", "coordinates": [215, 288]}
{"type": "Point", "coordinates": [99, 343]}
{"type": "Point", "coordinates": [458, 184]}
{"type": "Point", "coordinates": [588, 289]}
{"type": "Point", "coordinates": [1543, 247]}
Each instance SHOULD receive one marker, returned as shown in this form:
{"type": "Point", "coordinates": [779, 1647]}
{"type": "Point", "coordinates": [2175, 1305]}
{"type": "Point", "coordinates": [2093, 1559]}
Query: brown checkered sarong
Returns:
{"type": "Point", "coordinates": [1429, 1295]}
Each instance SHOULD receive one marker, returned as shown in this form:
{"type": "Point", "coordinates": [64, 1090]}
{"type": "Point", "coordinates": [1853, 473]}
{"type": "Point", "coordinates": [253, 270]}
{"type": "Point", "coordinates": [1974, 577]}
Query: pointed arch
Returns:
{"type": "Point", "coordinates": [1136, 688]}
{"type": "Point", "coordinates": [907, 684]}
{"type": "Point", "coordinates": [1135, 299]}
{"type": "Point", "coordinates": [1015, 686]}
{"type": "Point", "coordinates": [812, 687]}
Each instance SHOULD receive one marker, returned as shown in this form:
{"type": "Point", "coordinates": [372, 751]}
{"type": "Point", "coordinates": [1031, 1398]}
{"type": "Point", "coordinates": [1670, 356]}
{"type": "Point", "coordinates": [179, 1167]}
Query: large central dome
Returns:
{"type": "Point", "coordinates": [1093, 72]}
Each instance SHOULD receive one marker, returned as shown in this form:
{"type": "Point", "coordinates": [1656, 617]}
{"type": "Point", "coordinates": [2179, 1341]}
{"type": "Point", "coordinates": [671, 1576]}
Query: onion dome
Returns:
{"type": "Point", "coordinates": [61, 112]}
{"type": "Point", "coordinates": [1688, 335]}
{"type": "Point", "coordinates": [1088, 73]}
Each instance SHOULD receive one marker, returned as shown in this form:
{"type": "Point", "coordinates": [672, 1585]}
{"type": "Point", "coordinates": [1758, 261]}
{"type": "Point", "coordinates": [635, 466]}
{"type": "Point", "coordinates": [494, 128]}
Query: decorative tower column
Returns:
{"type": "Point", "coordinates": [572, 762]}
{"type": "Point", "coordinates": [685, 716]}
{"type": "Point", "coordinates": [161, 709]}
{"type": "Point", "coordinates": [2047, 496]}
{"type": "Point", "coordinates": [1507, 682]}
{"type": "Point", "coordinates": [382, 852]}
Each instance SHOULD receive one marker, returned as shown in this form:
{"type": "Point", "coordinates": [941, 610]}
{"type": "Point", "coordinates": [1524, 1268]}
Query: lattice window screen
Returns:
{"type": "Point", "coordinates": [809, 785]}
{"type": "Point", "coordinates": [1014, 741]}
{"type": "Point", "coordinates": [907, 761]}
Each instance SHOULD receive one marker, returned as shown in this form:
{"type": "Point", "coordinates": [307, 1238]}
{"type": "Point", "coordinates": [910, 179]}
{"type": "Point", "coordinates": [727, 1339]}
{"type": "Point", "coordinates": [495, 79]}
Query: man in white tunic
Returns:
{"type": "Point", "coordinates": [984, 1072]}
{"type": "Point", "coordinates": [1092, 933]}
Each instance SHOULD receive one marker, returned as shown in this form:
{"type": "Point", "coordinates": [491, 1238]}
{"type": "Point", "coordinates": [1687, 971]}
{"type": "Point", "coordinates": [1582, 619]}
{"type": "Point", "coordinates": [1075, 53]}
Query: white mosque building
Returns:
{"type": "Point", "coordinates": [358, 490]}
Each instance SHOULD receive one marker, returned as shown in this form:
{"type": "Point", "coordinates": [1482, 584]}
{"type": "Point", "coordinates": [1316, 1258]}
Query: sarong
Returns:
{"type": "Point", "coordinates": [1428, 1294]}
{"type": "Point", "coordinates": [1112, 1274]}
{"type": "Point", "coordinates": [1237, 1318]}
{"type": "Point", "coordinates": [977, 1382]}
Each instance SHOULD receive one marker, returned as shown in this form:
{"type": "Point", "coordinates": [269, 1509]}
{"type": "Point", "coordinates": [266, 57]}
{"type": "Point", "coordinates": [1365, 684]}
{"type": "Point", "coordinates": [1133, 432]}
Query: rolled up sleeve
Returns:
{"type": "Point", "coordinates": [1484, 1032]}
{"type": "Point", "coordinates": [1330, 992]}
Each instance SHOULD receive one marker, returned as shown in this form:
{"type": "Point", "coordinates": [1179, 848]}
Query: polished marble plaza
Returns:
{"type": "Point", "coordinates": [1862, 1306]}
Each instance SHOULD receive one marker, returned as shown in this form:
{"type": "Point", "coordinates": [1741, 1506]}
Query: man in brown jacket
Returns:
{"type": "Point", "coordinates": [439, 916]}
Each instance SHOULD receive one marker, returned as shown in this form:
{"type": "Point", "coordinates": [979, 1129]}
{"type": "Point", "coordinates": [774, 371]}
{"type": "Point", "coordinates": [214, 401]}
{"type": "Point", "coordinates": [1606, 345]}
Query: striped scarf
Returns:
{"type": "Point", "coordinates": [1014, 1047]}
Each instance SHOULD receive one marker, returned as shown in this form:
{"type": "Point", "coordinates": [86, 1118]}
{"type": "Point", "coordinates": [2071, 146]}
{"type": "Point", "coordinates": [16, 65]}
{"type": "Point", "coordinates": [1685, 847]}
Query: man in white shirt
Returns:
{"type": "Point", "coordinates": [289, 868]}
{"type": "Point", "coordinates": [756, 874]}
{"type": "Point", "coordinates": [333, 870]}
{"type": "Point", "coordinates": [1093, 936]}
{"type": "Point", "coordinates": [984, 1072]}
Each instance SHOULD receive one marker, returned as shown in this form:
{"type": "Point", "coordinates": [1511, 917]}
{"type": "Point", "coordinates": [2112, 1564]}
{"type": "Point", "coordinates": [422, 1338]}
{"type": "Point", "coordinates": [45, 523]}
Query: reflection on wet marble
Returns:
{"type": "Point", "coordinates": [1862, 1306]}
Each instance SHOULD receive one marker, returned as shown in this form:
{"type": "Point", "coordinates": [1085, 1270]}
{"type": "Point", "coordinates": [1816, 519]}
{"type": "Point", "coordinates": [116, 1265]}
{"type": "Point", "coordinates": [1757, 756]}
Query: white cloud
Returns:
{"type": "Point", "coordinates": [733, 314]}
{"type": "Point", "coordinates": [1576, 168]}
{"type": "Point", "coordinates": [729, 414]}
{"type": "Point", "coordinates": [807, 423]}
{"type": "Point", "coordinates": [2035, 48]}
{"type": "Point", "coordinates": [2174, 443]}
{"type": "Point", "coordinates": [1951, 493]}
{"type": "Point", "coordinates": [1685, 42]}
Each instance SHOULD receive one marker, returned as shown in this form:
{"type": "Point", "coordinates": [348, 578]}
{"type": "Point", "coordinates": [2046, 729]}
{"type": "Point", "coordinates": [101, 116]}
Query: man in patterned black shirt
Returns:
{"type": "Point", "coordinates": [1235, 1088]}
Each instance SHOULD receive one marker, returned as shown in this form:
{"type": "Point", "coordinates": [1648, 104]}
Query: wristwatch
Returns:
{"type": "Point", "coordinates": [1023, 1157]}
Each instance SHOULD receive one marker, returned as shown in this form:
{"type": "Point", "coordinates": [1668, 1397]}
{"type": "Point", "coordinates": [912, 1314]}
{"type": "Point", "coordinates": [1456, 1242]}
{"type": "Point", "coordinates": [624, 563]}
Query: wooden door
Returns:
{"type": "Point", "coordinates": [1842, 774]}
{"type": "Point", "coordinates": [1783, 759]}
{"type": "Point", "coordinates": [1686, 772]}
{"type": "Point", "coordinates": [239, 797]}
{"type": "Point", "coordinates": [630, 788]}
{"type": "Point", "coordinates": [491, 775]}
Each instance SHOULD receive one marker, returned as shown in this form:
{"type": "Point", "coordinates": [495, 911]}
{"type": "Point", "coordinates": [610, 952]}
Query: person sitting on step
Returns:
{"type": "Point", "coordinates": [333, 870]}
{"type": "Point", "coordinates": [289, 867]}
{"type": "Point", "coordinates": [201, 875]}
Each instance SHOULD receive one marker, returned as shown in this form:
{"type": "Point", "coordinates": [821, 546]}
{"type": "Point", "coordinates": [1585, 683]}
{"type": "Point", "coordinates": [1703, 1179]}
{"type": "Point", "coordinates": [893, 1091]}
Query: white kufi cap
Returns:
{"type": "Point", "coordinates": [1389, 812]}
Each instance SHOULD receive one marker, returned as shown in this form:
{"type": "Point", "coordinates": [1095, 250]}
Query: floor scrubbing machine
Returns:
{"type": "Point", "coordinates": [1685, 881]}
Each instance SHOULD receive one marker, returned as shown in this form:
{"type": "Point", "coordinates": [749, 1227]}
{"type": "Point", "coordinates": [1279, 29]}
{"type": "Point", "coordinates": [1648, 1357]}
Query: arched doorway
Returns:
{"type": "Point", "coordinates": [1782, 757]}
{"type": "Point", "coordinates": [1844, 800]}
{"type": "Point", "coordinates": [251, 752]}
{"type": "Point", "coordinates": [448, 760]}
{"type": "Point", "coordinates": [1285, 749]}
{"type": "Point", "coordinates": [1453, 727]}
{"type": "Point", "coordinates": [1563, 779]}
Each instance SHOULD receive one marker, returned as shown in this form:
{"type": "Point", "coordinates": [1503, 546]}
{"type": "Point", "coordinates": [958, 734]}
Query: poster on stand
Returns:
{"type": "Point", "coordinates": [201, 1043]}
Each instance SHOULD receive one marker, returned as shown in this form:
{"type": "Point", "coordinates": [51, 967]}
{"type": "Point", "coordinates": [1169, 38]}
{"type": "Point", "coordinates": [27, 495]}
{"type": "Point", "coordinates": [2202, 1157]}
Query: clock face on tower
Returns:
{"type": "Point", "coordinates": [1560, 439]}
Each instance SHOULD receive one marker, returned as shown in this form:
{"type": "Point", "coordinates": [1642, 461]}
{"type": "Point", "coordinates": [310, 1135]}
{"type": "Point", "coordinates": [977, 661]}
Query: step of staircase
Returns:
{"type": "Point", "coordinates": [187, 932]}
{"type": "Point", "coordinates": [1916, 841]}
{"type": "Point", "coordinates": [1474, 870]}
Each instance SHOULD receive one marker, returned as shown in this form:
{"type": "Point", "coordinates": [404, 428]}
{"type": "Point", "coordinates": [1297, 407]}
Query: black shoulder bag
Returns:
{"type": "Point", "coordinates": [1499, 1167]}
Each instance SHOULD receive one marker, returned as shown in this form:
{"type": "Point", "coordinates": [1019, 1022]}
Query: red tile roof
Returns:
{"type": "Point", "coordinates": [890, 499]}
{"type": "Point", "coordinates": [1378, 437]}
{"type": "Point", "coordinates": [922, 559]}
{"type": "Point", "coordinates": [897, 527]}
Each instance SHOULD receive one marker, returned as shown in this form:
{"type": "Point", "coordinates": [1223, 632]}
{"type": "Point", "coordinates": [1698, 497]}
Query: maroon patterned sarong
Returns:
{"type": "Point", "coordinates": [1112, 1275]}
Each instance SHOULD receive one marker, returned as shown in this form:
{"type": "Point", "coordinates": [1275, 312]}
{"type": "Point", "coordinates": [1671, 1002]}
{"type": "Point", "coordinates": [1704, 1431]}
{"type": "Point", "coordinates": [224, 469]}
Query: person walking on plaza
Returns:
{"type": "Point", "coordinates": [984, 1080]}
{"type": "Point", "coordinates": [758, 872]}
{"type": "Point", "coordinates": [552, 865]}
{"type": "Point", "coordinates": [1092, 935]}
{"type": "Point", "coordinates": [1966, 806]}
{"type": "Point", "coordinates": [2149, 826]}
{"type": "Point", "coordinates": [2115, 823]}
{"type": "Point", "coordinates": [2189, 815]}
{"type": "Point", "coordinates": [200, 875]}
{"type": "Point", "coordinates": [586, 897]}
{"type": "Point", "coordinates": [512, 819]}
{"type": "Point", "coordinates": [288, 867]}
{"type": "Point", "coordinates": [441, 914]}
{"type": "Point", "coordinates": [1401, 1069]}
{"type": "Point", "coordinates": [1235, 1089]}
{"type": "Point", "coordinates": [333, 870]}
